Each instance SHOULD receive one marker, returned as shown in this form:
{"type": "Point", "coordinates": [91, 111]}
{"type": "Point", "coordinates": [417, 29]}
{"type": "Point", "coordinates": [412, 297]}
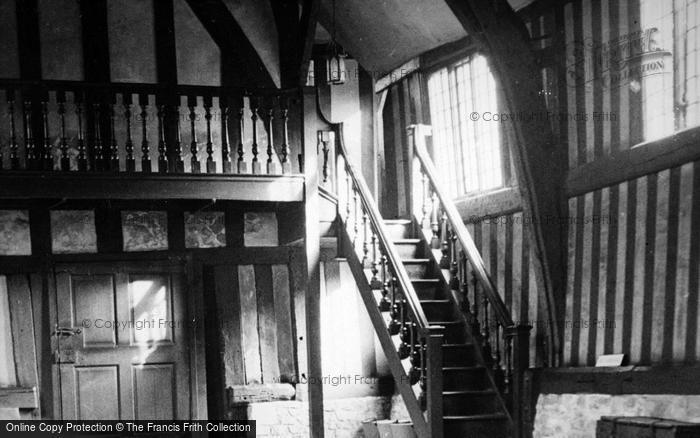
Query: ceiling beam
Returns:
{"type": "Point", "coordinates": [240, 63]}
{"type": "Point", "coordinates": [540, 162]}
{"type": "Point", "coordinates": [286, 14]}
{"type": "Point", "coordinates": [309, 19]}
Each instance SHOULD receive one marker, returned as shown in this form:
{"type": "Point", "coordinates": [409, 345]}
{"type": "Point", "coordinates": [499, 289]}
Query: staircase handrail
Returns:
{"type": "Point", "coordinates": [455, 219]}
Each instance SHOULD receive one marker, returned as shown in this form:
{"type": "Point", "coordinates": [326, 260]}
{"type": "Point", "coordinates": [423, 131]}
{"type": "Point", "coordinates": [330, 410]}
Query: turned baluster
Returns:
{"type": "Point", "coordinates": [162, 144]}
{"type": "Point", "coordinates": [177, 163]}
{"type": "Point", "coordinates": [129, 145]}
{"type": "Point", "coordinates": [63, 145]}
{"type": "Point", "coordinates": [286, 164]}
{"type": "Point", "coordinates": [348, 189]}
{"type": "Point", "coordinates": [445, 245]}
{"type": "Point", "coordinates": [394, 324]}
{"type": "Point", "coordinates": [225, 153]}
{"type": "Point", "coordinates": [30, 151]}
{"type": "Point", "coordinates": [82, 157]}
{"type": "Point", "coordinates": [365, 241]}
{"type": "Point", "coordinates": [508, 352]}
{"type": "Point", "coordinates": [254, 117]}
{"type": "Point", "coordinates": [211, 164]}
{"type": "Point", "coordinates": [324, 138]}
{"type": "Point", "coordinates": [374, 282]}
{"type": "Point", "coordinates": [97, 146]}
{"type": "Point", "coordinates": [241, 165]}
{"type": "Point", "coordinates": [497, 370]}
{"type": "Point", "coordinates": [385, 302]}
{"type": "Point", "coordinates": [423, 397]}
{"type": "Point", "coordinates": [485, 328]}
{"type": "Point", "coordinates": [113, 146]}
{"type": "Point", "coordinates": [454, 270]}
{"type": "Point", "coordinates": [47, 152]}
{"type": "Point", "coordinates": [475, 303]}
{"type": "Point", "coordinates": [425, 219]}
{"type": "Point", "coordinates": [464, 282]}
{"type": "Point", "coordinates": [356, 222]}
{"type": "Point", "coordinates": [271, 168]}
{"type": "Point", "coordinates": [404, 333]}
{"type": "Point", "coordinates": [145, 148]}
{"type": "Point", "coordinates": [195, 166]}
{"type": "Point", "coordinates": [435, 222]}
{"type": "Point", "coordinates": [414, 372]}
{"type": "Point", "coordinates": [14, 147]}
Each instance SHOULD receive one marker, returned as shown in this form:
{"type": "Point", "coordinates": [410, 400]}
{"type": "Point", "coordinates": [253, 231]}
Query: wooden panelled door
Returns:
{"type": "Point", "coordinates": [121, 342]}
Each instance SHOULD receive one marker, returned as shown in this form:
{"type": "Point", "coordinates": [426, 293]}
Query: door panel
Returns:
{"type": "Point", "coordinates": [122, 341]}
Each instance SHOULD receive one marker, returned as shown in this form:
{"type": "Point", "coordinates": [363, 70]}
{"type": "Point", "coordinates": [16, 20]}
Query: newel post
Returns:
{"type": "Point", "coordinates": [520, 339]}
{"type": "Point", "coordinates": [434, 342]}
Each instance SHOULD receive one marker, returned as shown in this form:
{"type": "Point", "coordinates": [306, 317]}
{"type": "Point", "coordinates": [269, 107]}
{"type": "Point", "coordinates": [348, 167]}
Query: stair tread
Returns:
{"type": "Point", "coordinates": [472, 368]}
{"type": "Point", "coordinates": [476, 417]}
{"type": "Point", "coordinates": [458, 345]}
{"type": "Point", "coordinates": [397, 221]}
{"type": "Point", "coordinates": [446, 322]}
{"type": "Point", "coordinates": [415, 260]}
{"type": "Point", "coordinates": [470, 392]}
{"type": "Point", "coordinates": [435, 301]}
{"type": "Point", "coordinates": [425, 280]}
{"type": "Point", "coordinates": [406, 240]}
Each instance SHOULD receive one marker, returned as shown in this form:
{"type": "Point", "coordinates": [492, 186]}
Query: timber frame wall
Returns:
{"type": "Point", "coordinates": [633, 206]}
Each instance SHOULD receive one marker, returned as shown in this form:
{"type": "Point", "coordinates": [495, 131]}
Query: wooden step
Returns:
{"type": "Point", "coordinates": [429, 288]}
{"type": "Point", "coordinates": [399, 228]}
{"type": "Point", "coordinates": [455, 355]}
{"type": "Point", "coordinates": [482, 425]}
{"type": "Point", "coordinates": [419, 268]}
{"type": "Point", "coordinates": [454, 331]}
{"type": "Point", "coordinates": [410, 248]}
{"type": "Point", "coordinates": [443, 310]}
{"type": "Point", "coordinates": [473, 402]}
{"type": "Point", "coordinates": [465, 378]}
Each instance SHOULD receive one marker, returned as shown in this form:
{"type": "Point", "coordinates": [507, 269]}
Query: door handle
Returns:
{"type": "Point", "coordinates": [66, 331]}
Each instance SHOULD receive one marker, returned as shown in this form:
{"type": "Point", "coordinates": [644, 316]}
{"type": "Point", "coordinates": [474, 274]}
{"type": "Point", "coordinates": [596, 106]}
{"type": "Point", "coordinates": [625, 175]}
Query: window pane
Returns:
{"type": "Point", "coordinates": [468, 152]}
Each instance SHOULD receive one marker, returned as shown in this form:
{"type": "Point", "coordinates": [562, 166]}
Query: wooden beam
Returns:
{"type": "Point", "coordinates": [643, 159]}
{"type": "Point", "coordinates": [492, 204]}
{"type": "Point", "coordinates": [240, 62]}
{"type": "Point", "coordinates": [660, 379]}
{"type": "Point", "coordinates": [93, 19]}
{"type": "Point", "coordinates": [166, 61]}
{"type": "Point", "coordinates": [286, 14]}
{"type": "Point", "coordinates": [312, 249]}
{"type": "Point", "coordinates": [307, 34]}
{"type": "Point", "coordinates": [28, 39]}
{"type": "Point", "coordinates": [18, 398]}
{"type": "Point", "coordinates": [540, 162]}
{"type": "Point", "coordinates": [38, 185]}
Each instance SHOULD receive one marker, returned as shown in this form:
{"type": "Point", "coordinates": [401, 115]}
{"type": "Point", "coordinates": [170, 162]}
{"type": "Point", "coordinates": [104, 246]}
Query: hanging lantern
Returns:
{"type": "Point", "coordinates": [335, 66]}
{"type": "Point", "coordinates": [335, 59]}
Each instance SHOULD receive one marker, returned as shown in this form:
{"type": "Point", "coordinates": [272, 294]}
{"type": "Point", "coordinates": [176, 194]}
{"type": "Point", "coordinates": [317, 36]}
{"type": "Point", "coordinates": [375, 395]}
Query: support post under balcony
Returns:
{"type": "Point", "coordinates": [520, 338]}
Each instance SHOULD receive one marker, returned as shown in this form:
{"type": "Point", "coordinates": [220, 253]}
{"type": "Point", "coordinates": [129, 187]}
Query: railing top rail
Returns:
{"type": "Point", "coordinates": [136, 87]}
{"type": "Point", "coordinates": [501, 311]}
{"type": "Point", "coordinates": [382, 235]}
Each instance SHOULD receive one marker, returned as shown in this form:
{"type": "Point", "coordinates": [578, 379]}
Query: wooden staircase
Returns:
{"type": "Point", "coordinates": [456, 355]}
{"type": "Point", "coordinates": [472, 405]}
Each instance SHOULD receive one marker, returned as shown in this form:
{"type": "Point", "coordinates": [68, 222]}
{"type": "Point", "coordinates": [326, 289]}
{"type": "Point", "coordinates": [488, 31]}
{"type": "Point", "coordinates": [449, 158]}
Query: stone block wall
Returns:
{"type": "Point", "coordinates": [343, 417]}
{"type": "Point", "coordinates": [575, 415]}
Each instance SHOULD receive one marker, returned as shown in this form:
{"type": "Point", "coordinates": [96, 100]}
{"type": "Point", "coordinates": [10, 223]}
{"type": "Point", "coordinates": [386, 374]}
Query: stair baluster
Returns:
{"type": "Point", "coordinates": [256, 170]}
{"type": "Point", "coordinates": [97, 136]}
{"type": "Point", "coordinates": [145, 148]}
{"type": "Point", "coordinates": [130, 161]}
{"type": "Point", "coordinates": [14, 147]}
{"type": "Point", "coordinates": [195, 166]}
{"type": "Point", "coordinates": [65, 159]}
{"type": "Point", "coordinates": [454, 278]}
{"type": "Point", "coordinates": [374, 282]}
{"type": "Point", "coordinates": [162, 145]}
{"type": "Point", "coordinates": [47, 153]}
{"type": "Point", "coordinates": [445, 245]}
{"type": "Point", "coordinates": [271, 169]}
{"type": "Point", "coordinates": [425, 218]}
{"type": "Point", "coordinates": [385, 303]}
{"type": "Point", "coordinates": [82, 158]}
{"type": "Point", "coordinates": [30, 151]}
{"type": "Point", "coordinates": [211, 164]}
{"type": "Point", "coordinates": [435, 222]}
{"type": "Point", "coordinates": [241, 166]}
{"type": "Point", "coordinates": [113, 145]}
{"type": "Point", "coordinates": [225, 139]}
{"type": "Point", "coordinates": [394, 324]}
